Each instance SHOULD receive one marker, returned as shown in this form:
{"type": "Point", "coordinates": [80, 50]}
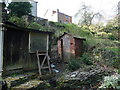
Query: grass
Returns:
{"type": "Point", "coordinates": [100, 42]}
{"type": "Point", "coordinates": [114, 49]}
{"type": "Point", "coordinates": [73, 29]}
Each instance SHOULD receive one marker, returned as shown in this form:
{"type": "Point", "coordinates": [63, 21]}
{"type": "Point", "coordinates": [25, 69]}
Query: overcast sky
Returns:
{"type": "Point", "coordinates": [70, 7]}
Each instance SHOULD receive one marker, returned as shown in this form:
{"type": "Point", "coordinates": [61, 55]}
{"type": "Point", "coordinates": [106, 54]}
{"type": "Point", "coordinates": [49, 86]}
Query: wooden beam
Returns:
{"type": "Point", "coordinates": [38, 60]}
{"type": "Point", "coordinates": [43, 61]}
{"type": "Point", "coordinates": [47, 45]}
{"type": "Point", "coordinates": [1, 49]}
{"type": "Point", "coordinates": [48, 61]}
{"type": "Point", "coordinates": [41, 65]}
{"type": "Point", "coordinates": [48, 58]}
{"type": "Point", "coordinates": [29, 42]}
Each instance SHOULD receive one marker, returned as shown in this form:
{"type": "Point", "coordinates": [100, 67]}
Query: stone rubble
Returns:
{"type": "Point", "coordinates": [83, 75]}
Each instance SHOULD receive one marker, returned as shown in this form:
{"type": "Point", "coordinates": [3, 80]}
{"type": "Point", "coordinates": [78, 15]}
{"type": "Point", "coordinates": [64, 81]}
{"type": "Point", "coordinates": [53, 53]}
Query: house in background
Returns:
{"type": "Point", "coordinates": [57, 16]}
{"type": "Point", "coordinates": [70, 46]}
{"type": "Point", "coordinates": [34, 8]}
{"type": "Point", "coordinates": [18, 46]}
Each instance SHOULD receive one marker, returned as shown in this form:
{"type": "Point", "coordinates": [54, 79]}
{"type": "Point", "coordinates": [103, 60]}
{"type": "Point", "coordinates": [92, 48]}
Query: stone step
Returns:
{"type": "Point", "coordinates": [30, 85]}
{"type": "Point", "coordinates": [19, 79]}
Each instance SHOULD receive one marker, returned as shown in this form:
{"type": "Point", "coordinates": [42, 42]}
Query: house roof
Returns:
{"type": "Point", "coordinates": [76, 37]}
{"type": "Point", "coordinates": [14, 26]}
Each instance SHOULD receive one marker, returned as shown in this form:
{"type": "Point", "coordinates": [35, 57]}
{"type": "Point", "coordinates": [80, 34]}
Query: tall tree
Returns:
{"type": "Point", "coordinates": [85, 15]}
{"type": "Point", "coordinates": [19, 9]}
{"type": "Point", "coordinates": [3, 11]}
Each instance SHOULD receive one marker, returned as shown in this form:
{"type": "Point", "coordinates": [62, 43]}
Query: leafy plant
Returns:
{"type": "Point", "coordinates": [86, 59]}
{"type": "Point", "coordinates": [35, 25]}
{"type": "Point", "coordinates": [73, 65]}
{"type": "Point", "coordinates": [19, 9]}
{"type": "Point", "coordinates": [111, 37]}
{"type": "Point", "coordinates": [112, 82]}
{"type": "Point", "coordinates": [19, 21]}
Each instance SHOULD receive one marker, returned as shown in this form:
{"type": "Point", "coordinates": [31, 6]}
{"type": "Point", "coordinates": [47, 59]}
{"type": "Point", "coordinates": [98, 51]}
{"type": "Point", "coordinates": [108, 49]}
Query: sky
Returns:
{"type": "Point", "coordinates": [70, 7]}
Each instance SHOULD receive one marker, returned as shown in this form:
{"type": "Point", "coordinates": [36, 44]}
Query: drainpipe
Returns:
{"type": "Point", "coordinates": [1, 51]}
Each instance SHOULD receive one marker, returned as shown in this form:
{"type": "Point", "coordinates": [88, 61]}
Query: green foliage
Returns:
{"type": "Point", "coordinates": [111, 37]}
{"type": "Point", "coordinates": [3, 13]}
{"type": "Point", "coordinates": [86, 59]}
{"type": "Point", "coordinates": [19, 9]}
{"type": "Point", "coordinates": [23, 22]}
{"type": "Point", "coordinates": [112, 82]}
{"type": "Point", "coordinates": [101, 54]}
{"type": "Point", "coordinates": [3, 5]}
{"type": "Point", "coordinates": [73, 65]}
{"type": "Point", "coordinates": [35, 25]}
{"type": "Point", "coordinates": [100, 43]}
{"type": "Point", "coordinates": [107, 56]}
{"type": "Point", "coordinates": [60, 28]}
{"type": "Point", "coordinates": [111, 58]}
{"type": "Point", "coordinates": [19, 21]}
{"type": "Point", "coordinates": [114, 49]}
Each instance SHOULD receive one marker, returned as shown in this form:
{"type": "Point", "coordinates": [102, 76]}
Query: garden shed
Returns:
{"type": "Point", "coordinates": [20, 46]}
{"type": "Point", "coordinates": [70, 46]}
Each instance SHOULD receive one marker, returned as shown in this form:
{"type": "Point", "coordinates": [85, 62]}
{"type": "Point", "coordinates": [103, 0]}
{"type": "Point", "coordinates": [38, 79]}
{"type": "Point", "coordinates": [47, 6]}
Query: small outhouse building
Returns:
{"type": "Point", "coordinates": [70, 46]}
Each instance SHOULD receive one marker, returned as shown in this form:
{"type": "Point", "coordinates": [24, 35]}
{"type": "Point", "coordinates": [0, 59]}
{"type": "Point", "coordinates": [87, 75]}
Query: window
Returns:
{"type": "Point", "coordinates": [67, 17]}
{"type": "Point", "coordinates": [37, 41]}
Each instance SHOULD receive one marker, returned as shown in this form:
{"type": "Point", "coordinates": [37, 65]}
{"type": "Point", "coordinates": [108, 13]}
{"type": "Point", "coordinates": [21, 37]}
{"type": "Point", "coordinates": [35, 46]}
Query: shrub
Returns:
{"type": "Point", "coordinates": [107, 56]}
{"type": "Point", "coordinates": [19, 21]}
{"type": "Point", "coordinates": [111, 58]}
{"type": "Point", "coordinates": [73, 65]}
{"type": "Point", "coordinates": [111, 37]}
{"type": "Point", "coordinates": [35, 25]}
{"type": "Point", "coordinates": [86, 59]}
{"type": "Point", "coordinates": [112, 82]}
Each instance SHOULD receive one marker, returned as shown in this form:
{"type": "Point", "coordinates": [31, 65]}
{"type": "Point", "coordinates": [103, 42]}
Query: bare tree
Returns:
{"type": "Point", "coordinates": [85, 15]}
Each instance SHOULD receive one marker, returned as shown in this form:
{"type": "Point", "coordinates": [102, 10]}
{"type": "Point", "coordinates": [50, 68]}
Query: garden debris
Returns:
{"type": "Point", "coordinates": [18, 79]}
{"type": "Point", "coordinates": [33, 84]}
{"type": "Point", "coordinates": [83, 75]}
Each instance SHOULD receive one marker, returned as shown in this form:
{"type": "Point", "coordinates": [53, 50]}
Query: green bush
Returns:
{"type": "Point", "coordinates": [107, 56]}
{"type": "Point", "coordinates": [73, 65]}
{"type": "Point", "coordinates": [19, 21]}
{"type": "Point", "coordinates": [35, 25]}
{"type": "Point", "coordinates": [112, 82]}
{"type": "Point", "coordinates": [111, 37]}
{"type": "Point", "coordinates": [86, 59]}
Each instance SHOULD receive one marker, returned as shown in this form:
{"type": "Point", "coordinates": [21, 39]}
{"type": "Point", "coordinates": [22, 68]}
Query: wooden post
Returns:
{"type": "Point", "coordinates": [29, 42]}
{"type": "Point", "coordinates": [48, 58]}
{"type": "Point", "coordinates": [41, 65]}
{"type": "Point", "coordinates": [1, 50]}
{"type": "Point", "coordinates": [47, 45]}
{"type": "Point", "coordinates": [38, 61]}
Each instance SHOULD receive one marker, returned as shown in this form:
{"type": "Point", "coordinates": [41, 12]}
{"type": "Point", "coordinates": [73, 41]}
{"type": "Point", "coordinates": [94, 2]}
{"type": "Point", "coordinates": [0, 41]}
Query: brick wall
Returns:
{"type": "Point", "coordinates": [64, 18]}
